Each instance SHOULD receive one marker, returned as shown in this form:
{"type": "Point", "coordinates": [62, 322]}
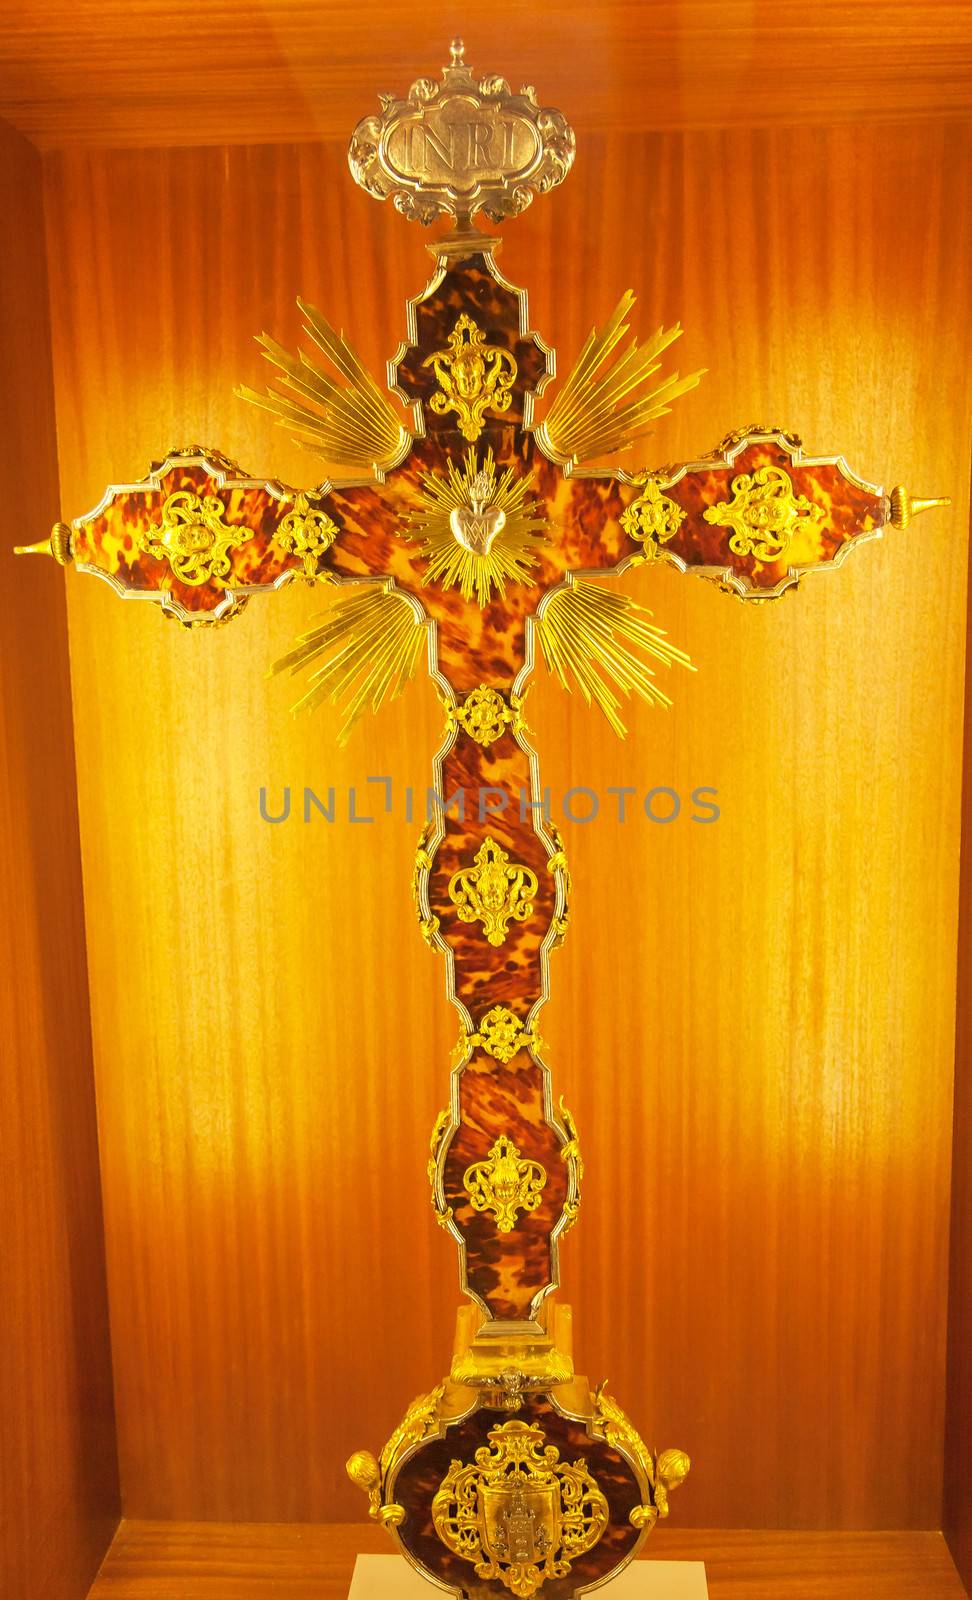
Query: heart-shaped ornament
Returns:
{"type": "Point", "coordinates": [477, 530]}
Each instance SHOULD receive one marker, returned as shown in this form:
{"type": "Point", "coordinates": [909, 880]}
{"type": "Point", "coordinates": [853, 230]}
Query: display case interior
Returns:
{"type": "Point", "coordinates": [223, 1043]}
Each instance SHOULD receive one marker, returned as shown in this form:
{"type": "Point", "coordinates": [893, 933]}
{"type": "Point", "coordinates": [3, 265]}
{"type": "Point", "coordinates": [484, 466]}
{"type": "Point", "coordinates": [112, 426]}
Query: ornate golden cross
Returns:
{"type": "Point", "coordinates": [468, 520]}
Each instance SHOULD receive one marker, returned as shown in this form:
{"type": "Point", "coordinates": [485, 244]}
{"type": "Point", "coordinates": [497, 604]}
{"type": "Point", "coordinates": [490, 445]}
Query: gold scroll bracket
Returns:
{"type": "Point", "coordinates": [464, 145]}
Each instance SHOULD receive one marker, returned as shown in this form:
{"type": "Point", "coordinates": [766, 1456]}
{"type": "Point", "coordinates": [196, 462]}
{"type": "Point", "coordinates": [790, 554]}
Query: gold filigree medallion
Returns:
{"type": "Point", "coordinates": [193, 538]}
{"type": "Point", "coordinates": [501, 1034]}
{"type": "Point", "coordinates": [474, 377]}
{"type": "Point", "coordinates": [485, 715]}
{"type": "Point", "coordinates": [518, 1512]}
{"type": "Point", "coordinates": [494, 891]}
{"type": "Point", "coordinates": [764, 514]}
{"type": "Point", "coordinates": [307, 531]}
{"type": "Point", "coordinates": [504, 1184]}
{"type": "Point", "coordinates": [653, 519]}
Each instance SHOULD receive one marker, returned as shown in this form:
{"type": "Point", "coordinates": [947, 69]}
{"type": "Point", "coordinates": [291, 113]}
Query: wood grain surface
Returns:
{"type": "Point", "coordinates": [753, 1021]}
{"type": "Point", "coordinates": [957, 1516]}
{"type": "Point", "coordinates": [58, 1475]}
{"type": "Point", "coordinates": [186, 1561]}
{"type": "Point", "coordinates": [184, 72]}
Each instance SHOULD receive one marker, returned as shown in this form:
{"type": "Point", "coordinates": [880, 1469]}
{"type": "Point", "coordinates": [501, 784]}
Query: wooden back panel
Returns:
{"type": "Point", "coordinates": [296, 73]}
{"type": "Point", "coordinates": [958, 1433]}
{"type": "Point", "coordinates": [760, 1059]}
{"type": "Point", "coordinates": [58, 1471]}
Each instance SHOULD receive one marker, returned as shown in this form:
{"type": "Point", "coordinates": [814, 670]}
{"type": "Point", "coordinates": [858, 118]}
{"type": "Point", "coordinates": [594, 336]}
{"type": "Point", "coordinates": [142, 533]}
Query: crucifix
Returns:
{"type": "Point", "coordinates": [473, 520]}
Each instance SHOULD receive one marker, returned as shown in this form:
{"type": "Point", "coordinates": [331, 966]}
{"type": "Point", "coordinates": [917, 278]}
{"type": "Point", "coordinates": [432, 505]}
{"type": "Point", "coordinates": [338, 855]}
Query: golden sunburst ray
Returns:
{"type": "Point", "coordinates": [353, 426]}
{"type": "Point", "coordinates": [367, 648]}
{"type": "Point", "coordinates": [586, 634]}
{"type": "Point", "coordinates": [480, 528]}
{"type": "Point", "coordinates": [597, 411]}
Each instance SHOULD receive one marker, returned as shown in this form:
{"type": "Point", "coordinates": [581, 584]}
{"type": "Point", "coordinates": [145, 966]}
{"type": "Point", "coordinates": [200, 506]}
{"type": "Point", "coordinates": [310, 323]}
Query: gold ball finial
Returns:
{"type": "Point", "coordinates": [672, 1468]}
{"type": "Point", "coordinates": [457, 51]}
{"type": "Point", "coordinates": [362, 1469]}
{"type": "Point", "coordinates": [643, 1517]}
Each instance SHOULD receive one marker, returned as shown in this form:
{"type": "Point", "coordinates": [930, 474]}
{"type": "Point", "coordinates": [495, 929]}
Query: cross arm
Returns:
{"type": "Point", "coordinates": [200, 537]}
{"type": "Point", "coordinates": [756, 514]}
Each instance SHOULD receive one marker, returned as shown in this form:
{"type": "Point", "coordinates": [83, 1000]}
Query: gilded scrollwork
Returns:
{"type": "Point", "coordinates": [663, 1472]}
{"type": "Point", "coordinates": [421, 1421]}
{"type": "Point", "coordinates": [504, 1184]}
{"type": "Point", "coordinates": [307, 531]}
{"type": "Point", "coordinates": [764, 513]}
{"type": "Point", "coordinates": [571, 1150]}
{"type": "Point", "coordinates": [428, 925]}
{"type": "Point", "coordinates": [442, 1123]}
{"type": "Point", "coordinates": [571, 1155]}
{"type": "Point", "coordinates": [653, 518]}
{"type": "Point", "coordinates": [474, 377]}
{"type": "Point", "coordinates": [485, 715]}
{"type": "Point", "coordinates": [557, 865]}
{"type": "Point", "coordinates": [494, 891]}
{"type": "Point", "coordinates": [736, 437]}
{"type": "Point", "coordinates": [501, 1034]}
{"type": "Point", "coordinates": [194, 538]}
{"type": "Point", "coordinates": [517, 1512]}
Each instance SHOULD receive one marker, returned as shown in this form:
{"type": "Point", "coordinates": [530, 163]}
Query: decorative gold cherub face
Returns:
{"type": "Point", "coordinates": [468, 372]}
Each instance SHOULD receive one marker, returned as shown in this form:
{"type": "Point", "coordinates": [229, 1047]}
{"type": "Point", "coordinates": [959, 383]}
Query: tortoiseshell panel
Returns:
{"type": "Point", "coordinates": [509, 1272]}
{"type": "Point", "coordinates": [497, 309]}
{"type": "Point", "coordinates": [583, 511]}
{"type": "Point", "coordinates": [496, 787]}
{"type": "Point", "coordinates": [111, 540]}
{"type": "Point", "coordinates": [419, 1477]}
{"type": "Point", "coordinates": [851, 509]}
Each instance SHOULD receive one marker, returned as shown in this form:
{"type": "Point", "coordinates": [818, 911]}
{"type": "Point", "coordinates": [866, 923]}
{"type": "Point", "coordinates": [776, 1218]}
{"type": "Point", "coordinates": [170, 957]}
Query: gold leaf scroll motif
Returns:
{"type": "Point", "coordinates": [664, 1472]}
{"type": "Point", "coordinates": [653, 519]}
{"type": "Point", "coordinates": [485, 715]}
{"type": "Point", "coordinates": [474, 377]}
{"type": "Point", "coordinates": [307, 531]}
{"type": "Point", "coordinates": [193, 538]}
{"type": "Point", "coordinates": [504, 1184]}
{"type": "Point", "coordinates": [518, 1512]}
{"type": "Point", "coordinates": [420, 1421]}
{"type": "Point", "coordinates": [493, 891]}
{"type": "Point", "coordinates": [764, 514]}
{"type": "Point", "coordinates": [501, 1034]}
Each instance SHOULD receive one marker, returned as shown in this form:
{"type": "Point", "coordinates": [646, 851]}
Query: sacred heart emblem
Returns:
{"type": "Point", "coordinates": [477, 530]}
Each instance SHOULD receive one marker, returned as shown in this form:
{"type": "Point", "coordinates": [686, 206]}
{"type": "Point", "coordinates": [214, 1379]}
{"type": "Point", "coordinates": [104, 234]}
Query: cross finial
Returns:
{"type": "Point", "coordinates": [457, 51]}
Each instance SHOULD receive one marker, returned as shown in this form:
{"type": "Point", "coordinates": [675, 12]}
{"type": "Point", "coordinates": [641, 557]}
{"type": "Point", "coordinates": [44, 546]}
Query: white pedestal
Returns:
{"type": "Point", "coordinates": [391, 1578]}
